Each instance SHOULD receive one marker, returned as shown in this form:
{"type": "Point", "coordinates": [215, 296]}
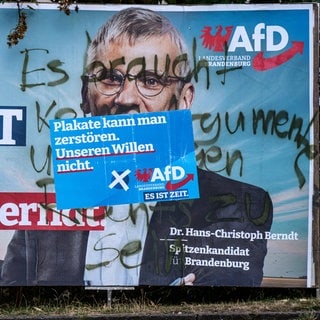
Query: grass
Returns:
{"type": "Point", "coordinates": [39, 301]}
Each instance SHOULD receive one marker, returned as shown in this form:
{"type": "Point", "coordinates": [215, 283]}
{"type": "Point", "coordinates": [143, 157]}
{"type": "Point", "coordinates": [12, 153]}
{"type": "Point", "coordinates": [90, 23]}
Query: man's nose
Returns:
{"type": "Point", "coordinates": [128, 95]}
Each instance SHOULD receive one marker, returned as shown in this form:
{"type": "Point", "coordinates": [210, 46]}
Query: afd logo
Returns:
{"type": "Point", "coordinates": [12, 126]}
{"type": "Point", "coordinates": [174, 176]}
{"type": "Point", "coordinates": [269, 38]}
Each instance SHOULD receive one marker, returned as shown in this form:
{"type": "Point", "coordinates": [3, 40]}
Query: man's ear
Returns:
{"type": "Point", "coordinates": [187, 96]}
{"type": "Point", "coordinates": [85, 106]}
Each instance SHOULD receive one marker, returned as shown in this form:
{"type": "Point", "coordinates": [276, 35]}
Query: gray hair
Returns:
{"type": "Point", "coordinates": [137, 23]}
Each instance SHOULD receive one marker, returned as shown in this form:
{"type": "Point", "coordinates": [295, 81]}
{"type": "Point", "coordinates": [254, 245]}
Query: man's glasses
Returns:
{"type": "Point", "coordinates": [110, 82]}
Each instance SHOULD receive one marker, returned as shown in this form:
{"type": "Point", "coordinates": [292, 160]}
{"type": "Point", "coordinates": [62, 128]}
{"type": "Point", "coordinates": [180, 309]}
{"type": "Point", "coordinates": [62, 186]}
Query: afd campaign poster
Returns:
{"type": "Point", "coordinates": [206, 115]}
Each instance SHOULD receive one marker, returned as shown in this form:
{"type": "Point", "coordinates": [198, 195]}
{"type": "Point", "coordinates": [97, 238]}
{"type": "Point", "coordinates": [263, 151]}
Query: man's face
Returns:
{"type": "Point", "coordinates": [129, 99]}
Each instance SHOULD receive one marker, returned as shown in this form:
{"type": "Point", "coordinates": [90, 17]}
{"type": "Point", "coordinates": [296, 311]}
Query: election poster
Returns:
{"type": "Point", "coordinates": [159, 145]}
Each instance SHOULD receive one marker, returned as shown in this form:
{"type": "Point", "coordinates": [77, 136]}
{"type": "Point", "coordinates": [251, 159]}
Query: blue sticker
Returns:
{"type": "Point", "coordinates": [124, 159]}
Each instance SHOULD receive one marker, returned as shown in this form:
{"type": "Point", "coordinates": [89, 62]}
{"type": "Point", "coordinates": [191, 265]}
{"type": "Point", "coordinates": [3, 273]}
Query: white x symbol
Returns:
{"type": "Point", "coordinates": [119, 179]}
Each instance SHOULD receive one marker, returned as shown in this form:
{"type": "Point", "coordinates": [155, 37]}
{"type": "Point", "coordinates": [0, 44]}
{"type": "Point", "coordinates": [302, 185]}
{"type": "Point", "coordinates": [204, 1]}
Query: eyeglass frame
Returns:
{"type": "Point", "coordinates": [168, 80]}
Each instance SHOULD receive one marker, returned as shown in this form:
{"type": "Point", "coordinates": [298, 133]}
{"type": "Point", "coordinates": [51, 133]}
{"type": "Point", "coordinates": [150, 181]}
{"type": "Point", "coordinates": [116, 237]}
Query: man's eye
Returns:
{"type": "Point", "coordinates": [104, 75]}
{"type": "Point", "coordinates": [101, 74]}
{"type": "Point", "coordinates": [151, 81]}
{"type": "Point", "coordinates": [113, 78]}
{"type": "Point", "coordinates": [107, 77]}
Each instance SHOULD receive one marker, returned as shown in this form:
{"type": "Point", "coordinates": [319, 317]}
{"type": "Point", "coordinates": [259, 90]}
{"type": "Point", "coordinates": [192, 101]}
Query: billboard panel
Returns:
{"type": "Point", "coordinates": [246, 72]}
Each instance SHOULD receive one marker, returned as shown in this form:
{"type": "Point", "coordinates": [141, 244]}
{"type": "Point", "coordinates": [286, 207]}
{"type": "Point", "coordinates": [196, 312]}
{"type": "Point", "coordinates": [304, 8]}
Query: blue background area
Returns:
{"type": "Point", "coordinates": [18, 127]}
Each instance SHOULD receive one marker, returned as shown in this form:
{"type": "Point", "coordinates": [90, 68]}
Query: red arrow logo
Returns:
{"type": "Point", "coordinates": [174, 186]}
{"type": "Point", "coordinates": [261, 64]}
